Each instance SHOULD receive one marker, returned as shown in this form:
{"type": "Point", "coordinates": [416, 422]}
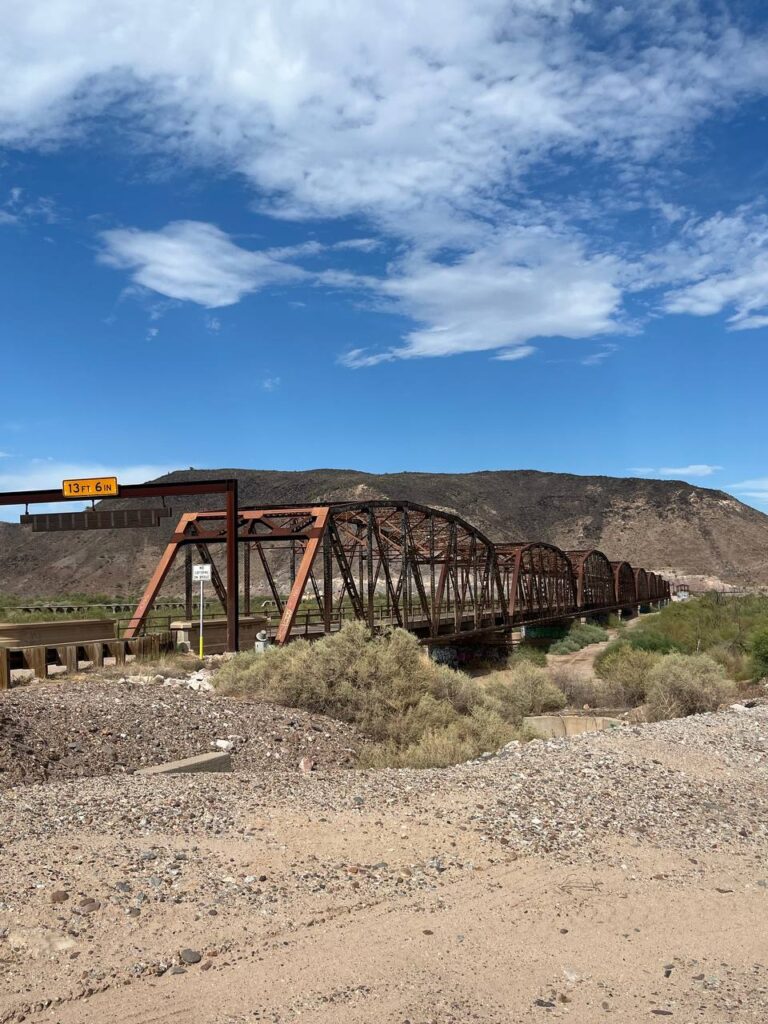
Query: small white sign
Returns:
{"type": "Point", "coordinates": [201, 573]}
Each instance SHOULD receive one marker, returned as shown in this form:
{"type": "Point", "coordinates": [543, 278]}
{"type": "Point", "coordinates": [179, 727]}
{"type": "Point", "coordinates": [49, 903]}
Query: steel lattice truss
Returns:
{"type": "Point", "coordinates": [399, 563]}
{"type": "Point", "coordinates": [413, 566]}
{"type": "Point", "coordinates": [641, 585]}
{"type": "Point", "coordinates": [595, 585]}
{"type": "Point", "coordinates": [538, 581]}
{"type": "Point", "coordinates": [624, 578]}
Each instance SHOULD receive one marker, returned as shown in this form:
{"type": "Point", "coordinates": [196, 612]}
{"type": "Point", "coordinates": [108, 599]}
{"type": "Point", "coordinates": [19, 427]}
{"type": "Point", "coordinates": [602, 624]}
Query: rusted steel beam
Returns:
{"type": "Point", "coordinates": [158, 576]}
{"type": "Point", "coordinates": [317, 534]}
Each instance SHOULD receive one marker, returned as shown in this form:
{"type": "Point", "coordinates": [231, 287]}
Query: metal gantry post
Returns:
{"type": "Point", "coordinates": [233, 561]}
{"type": "Point", "coordinates": [188, 582]}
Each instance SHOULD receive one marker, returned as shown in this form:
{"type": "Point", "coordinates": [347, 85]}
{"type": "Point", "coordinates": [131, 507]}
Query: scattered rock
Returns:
{"type": "Point", "coordinates": [190, 956]}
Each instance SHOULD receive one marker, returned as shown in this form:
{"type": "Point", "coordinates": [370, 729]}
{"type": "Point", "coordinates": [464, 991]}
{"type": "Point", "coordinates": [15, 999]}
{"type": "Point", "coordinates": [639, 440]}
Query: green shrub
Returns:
{"type": "Point", "coordinates": [651, 640]}
{"type": "Point", "coordinates": [759, 652]}
{"type": "Point", "coordinates": [626, 669]}
{"type": "Point", "coordinates": [527, 652]}
{"type": "Point", "coordinates": [581, 634]}
{"type": "Point", "coordinates": [412, 711]}
{"type": "Point", "coordinates": [686, 684]}
{"type": "Point", "coordinates": [564, 646]}
{"type": "Point", "coordinates": [588, 633]}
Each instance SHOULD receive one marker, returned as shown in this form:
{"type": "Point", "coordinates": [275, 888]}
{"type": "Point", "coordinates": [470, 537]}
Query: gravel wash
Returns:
{"type": "Point", "coordinates": [71, 729]}
{"type": "Point", "coordinates": [620, 872]}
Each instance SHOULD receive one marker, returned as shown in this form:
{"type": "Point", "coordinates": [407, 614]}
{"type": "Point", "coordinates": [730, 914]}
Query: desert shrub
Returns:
{"type": "Point", "coordinates": [460, 740]}
{"type": "Point", "coordinates": [625, 669]}
{"type": "Point", "coordinates": [737, 663]}
{"type": "Point", "coordinates": [759, 651]}
{"type": "Point", "coordinates": [526, 689]}
{"type": "Point", "coordinates": [686, 684]}
{"type": "Point", "coordinates": [581, 690]}
{"type": "Point", "coordinates": [410, 709]}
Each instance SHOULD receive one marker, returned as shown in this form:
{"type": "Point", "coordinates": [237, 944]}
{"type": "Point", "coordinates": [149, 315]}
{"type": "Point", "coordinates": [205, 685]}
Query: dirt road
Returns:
{"type": "Point", "coordinates": [618, 875]}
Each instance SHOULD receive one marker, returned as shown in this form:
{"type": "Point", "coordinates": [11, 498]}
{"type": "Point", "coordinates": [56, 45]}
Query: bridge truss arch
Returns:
{"type": "Point", "coordinates": [641, 586]}
{"type": "Point", "coordinates": [595, 585]}
{"type": "Point", "coordinates": [537, 580]}
{"type": "Point", "coordinates": [624, 581]}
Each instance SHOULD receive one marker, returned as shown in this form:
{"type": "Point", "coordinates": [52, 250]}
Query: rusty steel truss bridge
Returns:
{"type": "Point", "coordinates": [392, 563]}
{"type": "Point", "coordinates": [380, 562]}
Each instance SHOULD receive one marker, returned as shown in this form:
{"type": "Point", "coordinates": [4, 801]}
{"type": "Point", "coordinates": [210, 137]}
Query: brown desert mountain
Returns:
{"type": "Point", "coordinates": [705, 536]}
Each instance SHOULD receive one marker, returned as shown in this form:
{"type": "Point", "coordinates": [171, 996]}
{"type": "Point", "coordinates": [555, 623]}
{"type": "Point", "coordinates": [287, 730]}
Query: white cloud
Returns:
{"type": "Point", "coordinates": [530, 284]}
{"type": "Point", "coordinates": [511, 355]}
{"type": "Point", "coordinates": [270, 383]}
{"type": "Point", "coordinates": [194, 261]}
{"type": "Point", "coordinates": [697, 469]}
{"type": "Point", "coordinates": [429, 118]}
{"type": "Point", "coordinates": [719, 263]}
{"type": "Point", "coordinates": [19, 208]}
{"type": "Point", "coordinates": [756, 489]}
{"type": "Point", "coordinates": [596, 358]}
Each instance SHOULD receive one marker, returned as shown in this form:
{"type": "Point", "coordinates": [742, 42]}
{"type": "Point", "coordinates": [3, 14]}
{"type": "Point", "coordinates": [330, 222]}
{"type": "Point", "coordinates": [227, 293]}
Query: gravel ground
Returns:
{"type": "Point", "coordinates": [620, 872]}
{"type": "Point", "coordinates": [53, 731]}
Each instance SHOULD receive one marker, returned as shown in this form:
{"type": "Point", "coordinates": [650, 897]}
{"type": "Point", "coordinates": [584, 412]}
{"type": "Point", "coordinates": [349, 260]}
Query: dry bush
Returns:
{"type": "Point", "coordinates": [626, 671]}
{"type": "Point", "coordinates": [686, 684]}
{"type": "Point", "coordinates": [526, 689]}
{"type": "Point", "coordinates": [580, 690]}
{"type": "Point", "coordinates": [414, 713]}
{"type": "Point", "coordinates": [737, 663]}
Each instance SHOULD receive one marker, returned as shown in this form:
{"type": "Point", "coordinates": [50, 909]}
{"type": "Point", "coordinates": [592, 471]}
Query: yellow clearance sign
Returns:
{"type": "Point", "coordinates": [95, 487]}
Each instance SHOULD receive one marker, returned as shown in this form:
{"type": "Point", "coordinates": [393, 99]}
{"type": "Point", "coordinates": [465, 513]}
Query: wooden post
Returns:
{"type": "Point", "coordinates": [117, 650]}
{"type": "Point", "coordinates": [34, 658]}
{"type": "Point", "coordinates": [95, 654]}
{"type": "Point", "coordinates": [71, 657]}
{"type": "Point", "coordinates": [5, 668]}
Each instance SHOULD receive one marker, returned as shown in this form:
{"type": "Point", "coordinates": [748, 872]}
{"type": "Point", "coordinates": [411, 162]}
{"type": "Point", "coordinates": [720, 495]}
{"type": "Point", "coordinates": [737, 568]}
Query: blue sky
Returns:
{"type": "Point", "coordinates": [391, 236]}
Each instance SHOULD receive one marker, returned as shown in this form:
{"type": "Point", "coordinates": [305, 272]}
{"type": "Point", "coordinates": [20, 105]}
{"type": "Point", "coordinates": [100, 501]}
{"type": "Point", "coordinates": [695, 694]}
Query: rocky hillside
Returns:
{"type": "Point", "coordinates": [683, 531]}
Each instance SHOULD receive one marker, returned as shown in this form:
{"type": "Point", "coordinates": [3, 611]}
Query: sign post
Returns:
{"type": "Point", "coordinates": [201, 573]}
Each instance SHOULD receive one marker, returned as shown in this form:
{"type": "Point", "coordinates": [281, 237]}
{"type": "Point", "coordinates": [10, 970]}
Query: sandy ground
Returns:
{"type": "Point", "coordinates": [613, 876]}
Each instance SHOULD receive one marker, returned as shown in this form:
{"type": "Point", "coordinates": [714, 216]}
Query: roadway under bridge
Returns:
{"type": "Point", "coordinates": [396, 563]}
